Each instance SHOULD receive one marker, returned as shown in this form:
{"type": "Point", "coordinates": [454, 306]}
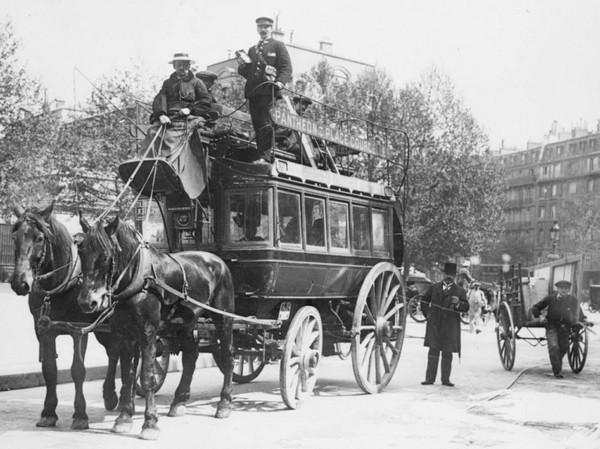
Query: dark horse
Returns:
{"type": "Point", "coordinates": [143, 285]}
{"type": "Point", "coordinates": [47, 268]}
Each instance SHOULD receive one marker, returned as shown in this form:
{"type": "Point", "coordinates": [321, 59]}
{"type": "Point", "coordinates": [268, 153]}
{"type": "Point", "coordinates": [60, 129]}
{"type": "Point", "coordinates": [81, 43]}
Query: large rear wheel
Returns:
{"type": "Point", "coordinates": [378, 328]}
{"type": "Point", "coordinates": [301, 356]}
{"type": "Point", "coordinates": [506, 336]}
{"type": "Point", "coordinates": [578, 348]}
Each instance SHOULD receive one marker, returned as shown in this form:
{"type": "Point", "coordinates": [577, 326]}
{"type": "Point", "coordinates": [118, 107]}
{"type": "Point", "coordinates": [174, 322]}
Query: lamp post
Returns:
{"type": "Point", "coordinates": [554, 236]}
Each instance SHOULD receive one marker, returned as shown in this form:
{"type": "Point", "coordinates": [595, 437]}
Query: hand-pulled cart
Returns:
{"type": "Point", "coordinates": [513, 318]}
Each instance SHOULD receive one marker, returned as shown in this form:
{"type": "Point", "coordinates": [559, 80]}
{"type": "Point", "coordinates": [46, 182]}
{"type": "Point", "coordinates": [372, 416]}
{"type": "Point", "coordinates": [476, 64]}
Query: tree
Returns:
{"type": "Point", "coordinates": [449, 184]}
{"type": "Point", "coordinates": [17, 89]}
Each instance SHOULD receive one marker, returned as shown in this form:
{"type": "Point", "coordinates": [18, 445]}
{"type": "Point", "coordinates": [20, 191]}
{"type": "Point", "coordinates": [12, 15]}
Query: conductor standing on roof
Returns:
{"type": "Point", "coordinates": [267, 68]}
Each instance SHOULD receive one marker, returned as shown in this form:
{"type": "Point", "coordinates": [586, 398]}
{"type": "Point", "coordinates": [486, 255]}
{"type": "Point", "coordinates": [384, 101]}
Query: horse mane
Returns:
{"type": "Point", "coordinates": [121, 245]}
{"type": "Point", "coordinates": [52, 229]}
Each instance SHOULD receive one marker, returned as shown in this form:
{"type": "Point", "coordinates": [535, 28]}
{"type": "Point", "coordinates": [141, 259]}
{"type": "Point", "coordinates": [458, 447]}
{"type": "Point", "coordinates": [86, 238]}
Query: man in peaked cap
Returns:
{"type": "Point", "coordinates": [208, 78]}
{"type": "Point", "coordinates": [181, 95]}
{"type": "Point", "coordinates": [563, 313]}
{"type": "Point", "coordinates": [267, 69]}
{"type": "Point", "coordinates": [442, 305]}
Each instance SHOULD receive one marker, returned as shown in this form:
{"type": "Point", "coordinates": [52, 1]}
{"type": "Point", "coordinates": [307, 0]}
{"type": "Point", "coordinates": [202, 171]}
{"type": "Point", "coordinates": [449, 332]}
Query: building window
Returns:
{"type": "Point", "coordinates": [572, 187]}
{"type": "Point", "coordinates": [590, 185]}
{"type": "Point", "coordinates": [542, 212]}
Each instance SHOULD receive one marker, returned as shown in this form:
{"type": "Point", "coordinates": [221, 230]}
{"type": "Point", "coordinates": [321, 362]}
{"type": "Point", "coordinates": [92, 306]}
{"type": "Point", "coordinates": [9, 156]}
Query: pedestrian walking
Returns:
{"type": "Point", "coordinates": [442, 304]}
{"type": "Point", "coordinates": [477, 302]}
{"type": "Point", "coordinates": [563, 313]}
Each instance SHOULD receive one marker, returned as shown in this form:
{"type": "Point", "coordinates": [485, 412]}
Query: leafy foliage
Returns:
{"type": "Point", "coordinates": [17, 89]}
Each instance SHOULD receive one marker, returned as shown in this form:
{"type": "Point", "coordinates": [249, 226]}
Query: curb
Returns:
{"type": "Point", "coordinates": [36, 379]}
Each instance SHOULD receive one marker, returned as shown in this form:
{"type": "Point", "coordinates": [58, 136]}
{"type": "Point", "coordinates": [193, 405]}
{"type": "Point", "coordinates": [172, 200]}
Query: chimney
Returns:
{"type": "Point", "coordinates": [325, 46]}
{"type": "Point", "coordinates": [278, 34]}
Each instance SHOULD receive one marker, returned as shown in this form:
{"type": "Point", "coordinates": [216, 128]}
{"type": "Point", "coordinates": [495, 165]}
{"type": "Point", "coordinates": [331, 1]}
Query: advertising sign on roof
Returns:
{"type": "Point", "coordinates": [329, 133]}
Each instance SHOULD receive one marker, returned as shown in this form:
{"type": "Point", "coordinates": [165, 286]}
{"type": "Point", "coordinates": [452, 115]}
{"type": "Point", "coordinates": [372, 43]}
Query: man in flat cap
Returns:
{"type": "Point", "coordinates": [267, 69]}
{"type": "Point", "coordinates": [442, 304]}
{"type": "Point", "coordinates": [563, 313]}
{"type": "Point", "coordinates": [288, 139]}
{"type": "Point", "coordinates": [181, 95]}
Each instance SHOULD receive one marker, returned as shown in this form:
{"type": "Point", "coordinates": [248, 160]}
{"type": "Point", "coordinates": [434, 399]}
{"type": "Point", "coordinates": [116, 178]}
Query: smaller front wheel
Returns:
{"type": "Point", "coordinates": [301, 357]}
{"type": "Point", "coordinates": [414, 309]}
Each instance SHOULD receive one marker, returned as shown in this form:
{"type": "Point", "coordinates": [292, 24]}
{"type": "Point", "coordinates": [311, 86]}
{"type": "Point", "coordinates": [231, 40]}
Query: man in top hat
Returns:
{"type": "Point", "coordinates": [442, 304]}
{"type": "Point", "coordinates": [267, 69]}
{"type": "Point", "coordinates": [563, 312]}
{"type": "Point", "coordinates": [181, 95]}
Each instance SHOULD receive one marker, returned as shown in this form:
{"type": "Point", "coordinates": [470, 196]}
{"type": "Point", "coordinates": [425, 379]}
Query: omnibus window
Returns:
{"type": "Point", "coordinates": [338, 224]}
{"type": "Point", "coordinates": [360, 228]}
{"type": "Point", "coordinates": [289, 217]}
{"type": "Point", "coordinates": [315, 221]}
{"type": "Point", "coordinates": [380, 230]}
{"type": "Point", "coordinates": [249, 217]}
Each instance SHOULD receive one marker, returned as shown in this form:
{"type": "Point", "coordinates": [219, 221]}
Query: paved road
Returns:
{"type": "Point", "coordinates": [536, 411]}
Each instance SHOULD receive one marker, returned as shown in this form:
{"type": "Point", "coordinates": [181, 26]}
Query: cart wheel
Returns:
{"type": "Point", "coordinates": [378, 328]}
{"type": "Point", "coordinates": [301, 356]}
{"type": "Point", "coordinates": [161, 366]}
{"type": "Point", "coordinates": [578, 348]}
{"type": "Point", "coordinates": [464, 317]}
{"type": "Point", "coordinates": [592, 307]}
{"type": "Point", "coordinates": [505, 335]}
{"type": "Point", "coordinates": [414, 309]}
{"type": "Point", "coordinates": [247, 361]}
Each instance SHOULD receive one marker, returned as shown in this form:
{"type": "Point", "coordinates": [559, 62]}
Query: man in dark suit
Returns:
{"type": "Point", "coordinates": [442, 305]}
{"type": "Point", "coordinates": [267, 70]}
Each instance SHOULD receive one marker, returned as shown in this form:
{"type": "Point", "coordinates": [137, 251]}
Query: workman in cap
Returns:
{"type": "Point", "coordinates": [181, 95]}
{"type": "Point", "coordinates": [442, 304]}
{"type": "Point", "coordinates": [563, 313]}
{"type": "Point", "coordinates": [267, 68]}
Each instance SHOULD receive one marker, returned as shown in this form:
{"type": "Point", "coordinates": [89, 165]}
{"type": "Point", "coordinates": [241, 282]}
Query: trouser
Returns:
{"type": "Point", "coordinates": [260, 107]}
{"type": "Point", "coordinates": [558, 344]}
{"type": "Point", "coordinates": [433, 358]}
{"type": "Point", "coordinates": [474, 320]}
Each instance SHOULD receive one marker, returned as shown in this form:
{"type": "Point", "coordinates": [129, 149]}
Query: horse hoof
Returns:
{"type": "Point", "coordinates": [47, 421]}
{"type": "Point", "coordinates": [150, 433]}
{"type": "Point", "coordinates": [80, 424]}
{"type": "Point", "coordinates": [122, 427]}
{"type": "Point", "coordinates": [177, 410]}
{"type": "Point", "coordinates": [223, 412]}
{"type": "Point", "coordinates": [111, 402]}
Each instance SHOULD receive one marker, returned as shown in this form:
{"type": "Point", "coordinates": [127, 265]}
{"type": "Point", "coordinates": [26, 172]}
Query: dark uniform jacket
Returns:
{"type": "Point", "coordinates": [564, 310]}
{"type": "Point", "coordinates": [443, 319]}
{"type": "Point", "coordinates": [176, 94]}
{"type": "Point", "coordinates": [273, 53]}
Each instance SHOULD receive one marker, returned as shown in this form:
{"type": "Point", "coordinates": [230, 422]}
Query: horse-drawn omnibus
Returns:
{"type": "Point", "coordinates": [313, 245]}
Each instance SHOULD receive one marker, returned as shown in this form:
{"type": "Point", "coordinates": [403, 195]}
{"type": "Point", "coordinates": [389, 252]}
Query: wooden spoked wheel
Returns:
{"type": "Point", "coordinates": [160, 368]}
{"type": "Point", "coordinates": [301, 356]}
{"type": "Point", "coordinates": [506, 336]}
{"type": "Point", "coordinates": [578, 348]}
{"type": "Point", "coordinates": [248, 360]}
{"type": "Point", "coordinates": [378, 328]}
{"type": "Point", "coordinates": [414, 309]}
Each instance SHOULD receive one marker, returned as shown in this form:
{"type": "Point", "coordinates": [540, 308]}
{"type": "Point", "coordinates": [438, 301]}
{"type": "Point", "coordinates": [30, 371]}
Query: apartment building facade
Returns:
{"type": "Point", "coordinates": [557, 181]}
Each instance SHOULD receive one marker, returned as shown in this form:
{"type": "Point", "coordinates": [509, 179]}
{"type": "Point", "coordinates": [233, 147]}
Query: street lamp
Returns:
{"type": "Point", "coordinates": [555, 236]}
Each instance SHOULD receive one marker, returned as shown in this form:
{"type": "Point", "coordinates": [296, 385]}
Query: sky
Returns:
{"type": "Point", "coordinates": [518, 65]}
